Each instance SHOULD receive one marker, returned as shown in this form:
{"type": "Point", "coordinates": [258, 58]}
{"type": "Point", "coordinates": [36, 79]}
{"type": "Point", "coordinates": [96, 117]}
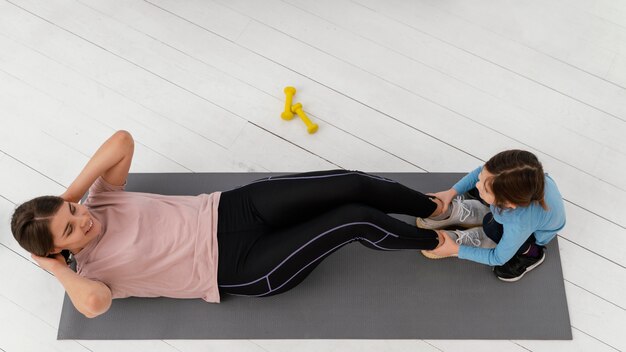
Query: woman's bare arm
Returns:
{"type": "Point", "coordinates": [111, 161]}
{"type": "Point", "coordinates": [90, 297]}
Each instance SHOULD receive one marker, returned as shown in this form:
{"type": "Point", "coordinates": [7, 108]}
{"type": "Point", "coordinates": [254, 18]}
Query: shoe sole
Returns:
{"type": "Point", "coordinates": [429, 255]}
{"type": "Point", "coordinates": [513, 279]}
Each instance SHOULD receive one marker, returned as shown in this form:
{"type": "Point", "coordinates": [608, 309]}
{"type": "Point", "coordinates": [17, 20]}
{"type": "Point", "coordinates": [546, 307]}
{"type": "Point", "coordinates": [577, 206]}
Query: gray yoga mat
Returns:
{"type": "Point", "coordinates": [355, 293]}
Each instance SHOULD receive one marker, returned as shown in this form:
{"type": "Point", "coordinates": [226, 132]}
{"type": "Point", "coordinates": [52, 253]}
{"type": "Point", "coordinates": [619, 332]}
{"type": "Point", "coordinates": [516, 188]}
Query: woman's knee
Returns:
{"type": "Point", "coordinates": [359, 182]}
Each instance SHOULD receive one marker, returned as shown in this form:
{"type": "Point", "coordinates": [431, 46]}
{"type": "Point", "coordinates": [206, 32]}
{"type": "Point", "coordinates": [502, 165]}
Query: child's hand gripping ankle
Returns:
{"type": "Point", "coordinates": [445, 197]}
{"type": "Point", "coordinates": [447, 246]}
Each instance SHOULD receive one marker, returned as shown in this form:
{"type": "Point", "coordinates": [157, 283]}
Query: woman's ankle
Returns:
{"type": "Point", "coordinates": [439, 214]}
{"type": "Point", "coordinates": [439, 208]}
{"type": "Point", "coordinates": [440, 238]}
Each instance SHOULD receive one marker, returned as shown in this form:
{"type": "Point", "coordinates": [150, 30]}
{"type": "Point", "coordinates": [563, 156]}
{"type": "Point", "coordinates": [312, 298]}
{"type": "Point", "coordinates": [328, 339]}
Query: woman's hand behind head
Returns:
{"type": "Point", "coordinates": [50, 263]}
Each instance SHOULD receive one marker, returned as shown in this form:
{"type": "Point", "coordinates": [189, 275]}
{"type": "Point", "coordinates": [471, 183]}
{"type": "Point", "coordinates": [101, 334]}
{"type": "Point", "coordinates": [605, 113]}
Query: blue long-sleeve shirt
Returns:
{"type": "Point", "coordinates": [518, 223]}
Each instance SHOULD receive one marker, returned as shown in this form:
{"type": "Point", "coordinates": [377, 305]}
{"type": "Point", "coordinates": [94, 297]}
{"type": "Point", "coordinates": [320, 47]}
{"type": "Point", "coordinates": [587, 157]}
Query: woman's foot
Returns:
{"type": "Point", "coordinates": [464, 212]}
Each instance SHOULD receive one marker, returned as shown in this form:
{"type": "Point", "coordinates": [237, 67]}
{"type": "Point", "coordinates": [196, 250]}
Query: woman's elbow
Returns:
{"type": "Point", "coordinates": [125, 137]}
{"type": "Point", "coordinates": [97, 305]}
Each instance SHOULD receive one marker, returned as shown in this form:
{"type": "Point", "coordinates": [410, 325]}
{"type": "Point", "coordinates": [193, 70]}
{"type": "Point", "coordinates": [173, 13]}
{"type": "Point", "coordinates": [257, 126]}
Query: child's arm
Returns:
{"type": "Point", "coordinates": [465, 184]}
{"type": "Point", "coordinates": [468, 182]}
{"type": "Point", "coordinates": [512, 239]}
{"type": "Point", "coordinates": [111, 161]}
{"type": "Point", "coordinates": [489, 256]}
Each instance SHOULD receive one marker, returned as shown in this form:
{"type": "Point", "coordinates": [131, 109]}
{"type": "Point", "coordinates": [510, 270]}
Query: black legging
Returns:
{"type": "Point", "coordinates": [273, 232]}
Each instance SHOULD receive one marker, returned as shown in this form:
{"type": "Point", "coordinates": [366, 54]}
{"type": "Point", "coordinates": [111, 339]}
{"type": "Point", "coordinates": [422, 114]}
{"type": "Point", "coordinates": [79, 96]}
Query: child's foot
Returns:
{"type": "Point", "coordinates": [465, 212]}
{"type": "Point", "coordinates": [519, 265]}
{"type": "Point", "coordinates": [474, 237]}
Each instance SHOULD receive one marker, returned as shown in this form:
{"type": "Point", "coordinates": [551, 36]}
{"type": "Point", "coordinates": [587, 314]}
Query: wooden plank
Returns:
{"type": "Point", "coordinates": [147, 127]}
{"type": "Point", "coordinates": [269, 77]}
{"type": "Point", "coordinates": [196, 76]}
{"type": "Point", "coordinates": [528, 103]}
{"type": "Point", "coordinates": [617, 72]}
{"type": "Point", "coordinates": [572, 21]}
{"type": "Point", "coordinates": [192, 157]}
{"type": "Point", "coordinates": [21, 330]}
{"type": "Point", "coordinates": [28, 185]}
{"type": "Point", "coordinates": [596, 317]}
{"type": "Point", "coordinates": [613, 11]}
{"type": "Point", "coordinates": [344, 345]}
{"type": "Point", "coordinates": [594, 233]}
{"type": "Point", "coordinates": [582, 267]}
{"type": "Point", "coordinates": [433, 27]}
{"type": "Point", "coordinates": [589, 45]}
{"type": "Point", "coordinates": [76, 135]}
{"type": "Point", "coordinates": [581, 342]}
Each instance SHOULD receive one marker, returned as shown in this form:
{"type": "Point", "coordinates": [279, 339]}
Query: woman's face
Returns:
{"type": "Point", "coordinates": [73, 227]}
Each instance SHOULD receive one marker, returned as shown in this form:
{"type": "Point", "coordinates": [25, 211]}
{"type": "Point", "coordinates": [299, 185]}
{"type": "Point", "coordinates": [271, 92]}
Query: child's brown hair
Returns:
{"type": "Point", "coordinates": [518, 178]}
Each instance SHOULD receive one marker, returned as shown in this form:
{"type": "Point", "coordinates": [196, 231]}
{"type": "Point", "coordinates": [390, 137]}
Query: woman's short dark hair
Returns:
{"type": "Point", "coordinates": [518, 178]}
{"type": "Point", "coordinates": [30, 224]}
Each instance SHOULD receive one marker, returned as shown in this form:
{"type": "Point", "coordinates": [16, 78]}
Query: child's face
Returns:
{"type": "Point", "coordinates": [485, 191]}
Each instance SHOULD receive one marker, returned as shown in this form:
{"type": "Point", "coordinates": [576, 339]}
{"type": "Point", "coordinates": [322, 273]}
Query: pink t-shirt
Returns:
{"type": "Point", "coordinates": [152, 245]}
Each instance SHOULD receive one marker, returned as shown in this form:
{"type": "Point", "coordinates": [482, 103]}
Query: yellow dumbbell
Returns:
{"type": "Point", "coordinates": [289, 93]}
{"type": "Point", "coordinates": [310, 126]}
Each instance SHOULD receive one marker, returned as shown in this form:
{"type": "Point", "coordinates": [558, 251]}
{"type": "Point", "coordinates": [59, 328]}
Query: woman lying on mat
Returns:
{"type": "Point", "coordinates": [272, 232]}
{"type": "Point", "coordinates": [519, 208]}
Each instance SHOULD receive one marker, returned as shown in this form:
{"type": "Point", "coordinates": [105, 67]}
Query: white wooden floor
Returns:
{"type": "Point", "coordinates": [395, 85]}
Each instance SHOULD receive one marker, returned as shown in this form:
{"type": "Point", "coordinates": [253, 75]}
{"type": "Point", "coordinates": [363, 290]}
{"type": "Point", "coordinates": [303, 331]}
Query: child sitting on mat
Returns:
{"type": "Point", "coordinates": [272, 232]}
{"type": "Point", "coordinates": [525, 212]}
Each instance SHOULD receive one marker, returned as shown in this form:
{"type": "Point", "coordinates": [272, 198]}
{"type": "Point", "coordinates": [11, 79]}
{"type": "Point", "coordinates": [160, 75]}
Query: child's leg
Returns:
{"type": "Point", "coordinates": [290, 199]}
{"type": "Point", "coordinates": [476, 195]}
{"type": "Point", "coordinates": [495, 230]}
{"type": "Point", "coordinates": [492, 228]}
{"type": "Point", "coordinates": [280, 259]}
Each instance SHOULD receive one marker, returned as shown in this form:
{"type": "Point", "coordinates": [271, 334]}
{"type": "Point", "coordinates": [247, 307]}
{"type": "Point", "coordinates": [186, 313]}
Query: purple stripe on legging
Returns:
{"type": "Point", "coordinates": [318, 236]}
{"type": "Point", "coordinates": [284, 283]}
{"type": "Point", "coordinates": [322, 176]}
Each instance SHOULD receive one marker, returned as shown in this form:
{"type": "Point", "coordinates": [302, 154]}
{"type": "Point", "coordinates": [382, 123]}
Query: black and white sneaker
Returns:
{"type": "Point", "coordinates": [519, 265]}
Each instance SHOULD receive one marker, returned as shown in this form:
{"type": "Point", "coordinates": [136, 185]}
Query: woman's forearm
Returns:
{"type": "Point", "coordinates": [111, 152]}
